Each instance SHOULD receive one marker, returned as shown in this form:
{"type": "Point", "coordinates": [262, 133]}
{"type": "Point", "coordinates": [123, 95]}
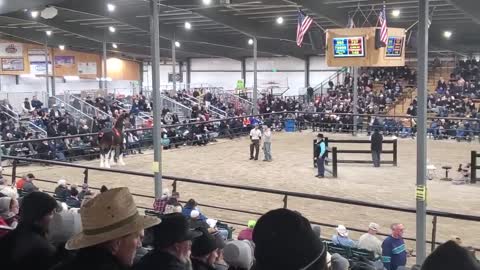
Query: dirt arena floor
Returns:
{"type": "Point", "coordinates": [227, 162]}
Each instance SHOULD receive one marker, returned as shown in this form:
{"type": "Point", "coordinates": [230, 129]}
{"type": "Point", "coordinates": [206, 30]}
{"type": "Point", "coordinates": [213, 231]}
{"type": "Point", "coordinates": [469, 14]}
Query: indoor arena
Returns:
{"type": "Point", "coordinates": [234, 134]}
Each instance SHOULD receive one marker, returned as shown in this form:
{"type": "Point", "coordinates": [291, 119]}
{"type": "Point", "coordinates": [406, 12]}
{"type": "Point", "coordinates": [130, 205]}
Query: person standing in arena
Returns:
{"type": "Point", "coordinates": [322, 154]}
{"type": "Point", "coordinates": [255, 137]}
{"type": "Point", "coordinates": [376, 141]}
{"type": "Point", "coordinates": [267, 143]}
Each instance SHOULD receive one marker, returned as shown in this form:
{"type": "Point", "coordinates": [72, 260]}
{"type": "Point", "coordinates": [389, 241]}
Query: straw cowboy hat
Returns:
{"type": "Point", "coordinates": [108, 216]}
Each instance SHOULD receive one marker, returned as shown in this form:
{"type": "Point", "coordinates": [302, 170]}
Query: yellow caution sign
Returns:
{"type": "Point", "coordinates": [155, 167]}
{"type": "Point", "coordinates": [421, 193]}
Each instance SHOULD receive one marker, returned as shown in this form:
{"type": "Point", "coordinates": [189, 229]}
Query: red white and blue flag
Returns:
{"type": "Point", "coordinates": [304, 23]}
{"type": "Point", "coordinates": [382, 19]}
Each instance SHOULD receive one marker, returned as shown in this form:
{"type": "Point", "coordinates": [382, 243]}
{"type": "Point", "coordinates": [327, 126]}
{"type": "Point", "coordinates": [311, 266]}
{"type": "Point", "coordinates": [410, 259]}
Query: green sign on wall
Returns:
{"type": "Point", "coordinates": [240, 84]}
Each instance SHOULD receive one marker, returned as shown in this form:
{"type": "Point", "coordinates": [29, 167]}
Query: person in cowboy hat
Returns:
{"type": "Point", "coordinates": [341, 238]}
{"type": "Point", "coordinates": [112, 230]}
{"type": "Point", "coordinates": [172, 245]}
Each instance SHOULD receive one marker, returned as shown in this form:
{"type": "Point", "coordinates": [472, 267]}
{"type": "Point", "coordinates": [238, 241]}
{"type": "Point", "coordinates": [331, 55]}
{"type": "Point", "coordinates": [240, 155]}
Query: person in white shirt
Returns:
{"type": "Point", "coordinates": [267, 143]}
{"type": "Point", "coordinates": [369, 240]}
{"type": "Point", "coordinates": [255, 137]}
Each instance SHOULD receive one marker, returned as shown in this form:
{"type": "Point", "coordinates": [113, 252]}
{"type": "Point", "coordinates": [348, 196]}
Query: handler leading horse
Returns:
{"type": "Point", "coordinates": [111, 139]}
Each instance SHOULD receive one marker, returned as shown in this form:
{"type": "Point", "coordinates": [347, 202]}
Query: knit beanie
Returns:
{"type": "Point", "coordinates": [284, 239]}
{"type": "Point", "coordinates": [450, 256]}
{"type": "Point", "coordinates": [35, 206]}
{"type": "Point", "coordinates": [203, 244]}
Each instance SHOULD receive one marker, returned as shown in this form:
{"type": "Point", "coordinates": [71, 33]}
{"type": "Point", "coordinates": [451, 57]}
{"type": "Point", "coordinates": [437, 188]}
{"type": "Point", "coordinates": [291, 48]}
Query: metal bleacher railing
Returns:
{"type": "Point", "coordinates": [16, 117]}
{"type": "Point", "coordinates": [285, 195]}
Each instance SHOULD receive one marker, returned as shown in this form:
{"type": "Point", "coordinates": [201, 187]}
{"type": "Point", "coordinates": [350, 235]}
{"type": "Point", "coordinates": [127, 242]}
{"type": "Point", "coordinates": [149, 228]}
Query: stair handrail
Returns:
{"type": "Point", "coordinates": [324, 82]}
{"type": "Point", "coordinates": [72, 108]}
{"type": "Point", "coordinates": [10, 110]}
{"type": "Point", "coordinates": [16, 118]}
{"type": "Point", "coordinates": [164, 97]}
{"type": "Point", "coordinates": [88, 105]}
{"type": "Point", "coordinates": [215, 110]}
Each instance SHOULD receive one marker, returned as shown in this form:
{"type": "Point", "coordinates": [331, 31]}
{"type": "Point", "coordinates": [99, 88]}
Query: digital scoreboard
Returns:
{"type": "Point", "coordinates": [348, 47]}
{"type": "Point", "coordinates": [394, 47]}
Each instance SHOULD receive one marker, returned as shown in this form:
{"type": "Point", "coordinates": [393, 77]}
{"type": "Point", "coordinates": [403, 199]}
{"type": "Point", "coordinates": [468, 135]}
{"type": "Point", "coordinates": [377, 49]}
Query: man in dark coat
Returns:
{"type": "Point", "coordinates": [376, 147]}
{"type": "Point", "coordinates": [27, 246]}
{"type": "Point", "coordinates": [172, 245]}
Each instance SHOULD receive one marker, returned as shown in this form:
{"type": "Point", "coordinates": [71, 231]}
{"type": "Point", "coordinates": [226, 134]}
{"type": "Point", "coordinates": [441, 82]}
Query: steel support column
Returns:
{"type": "Point", "coordinates": [244, 70]}
{"type": "Point", "coordinates": [188, 73]}
{"type": "Point", "coordinates": [355, 99]}
{"type": "Point", "coordinates": [307, 71]}
{"type": "Point", "coordinates": [174, 63]}
{"type": "Point", "coordinates": [52, 57]}
{"type": "Point", "coordinates": [49, 94]}
{"type": "Point", "coordinates": [255, 90]}
{"type": "Point", "coordinates": [104, 61]}
{"type": "Point", "coordinates": [157, 98]}
{"type": "Point", "coordinates": [422, 73]}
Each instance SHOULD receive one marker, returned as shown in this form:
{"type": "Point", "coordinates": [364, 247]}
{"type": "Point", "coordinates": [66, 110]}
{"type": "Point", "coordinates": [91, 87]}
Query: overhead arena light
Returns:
{"type": "Point", "coordinates": [207, 2]}
{"type": "Point", "coordinates": [177, 44]}
{"type": "Point", "coordinates": [27, 76]}
{"type": "Point", "coordinates": [114, 45]}
{"type": "Point", "coordinates": [188, 25]}
{"type": "Point", "coordinates": [49, 13]}
{"type": "Point", "coordinates": [250, 42]}
{"type": "Point", "coordinates": [48, 32]}
{"type": "Point", "coordinates": [111, 7]}
{"type": "Point", "coordinates": [447, 34]}
{"type": "Point", "coordinates": [280, 20]}
{"type": "Point", "coordinates": [396, 12]}
{"type": "Point", "coordinates": [71, 78]}
{"type": "Point", "coordinates": [34, 13]}
{"type": "Point", "coordinates": [111, 29]}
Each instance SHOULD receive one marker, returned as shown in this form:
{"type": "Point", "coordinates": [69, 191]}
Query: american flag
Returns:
{"type": "Point", "coordinates": [304, 23]}
{"type": "Point", "coordinates": [382, 18]}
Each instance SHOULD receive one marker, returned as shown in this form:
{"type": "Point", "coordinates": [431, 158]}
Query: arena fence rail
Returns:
{"type": "Point", "coordinates": [286, 194]}
{"type": "Point", "coordinates": [394, 151]}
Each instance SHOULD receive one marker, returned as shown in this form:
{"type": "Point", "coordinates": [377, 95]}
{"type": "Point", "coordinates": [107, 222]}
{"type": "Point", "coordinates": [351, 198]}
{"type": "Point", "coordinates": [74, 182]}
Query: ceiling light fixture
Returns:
{"type": "Point", "coordinates": [61, 47]}
{"type": "Point", "coordinates": [177, 44]}
{"type": "Point", "coordinates": [48, 32]}
{"type": "Point", "coordinates": [114, 45]}
{"type": "Point", "coordinates": [250, 41]}
{"type": "Point", "coordinates": [207, 2]}
{"type": "Point", "coordinates": [111, 7]}
{"type": "Point", "coordinates": [447, 34]}
{"type": "Point", "coordinates": [188, 25]}
{"type": "Point", "coordinates": [34, 13]}
{"type": "Point", "coordinates": [111, 29]}
{"type": "Point", "coordinates": [396, 12]}
{"type": "Point", "coordinates": [280, 20]}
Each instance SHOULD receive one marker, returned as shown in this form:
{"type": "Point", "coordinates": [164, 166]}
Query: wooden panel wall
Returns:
{"type": "Point", "coordinates": [117, 69]}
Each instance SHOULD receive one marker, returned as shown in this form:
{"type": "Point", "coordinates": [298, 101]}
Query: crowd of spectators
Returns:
{"type": "Point", "coordinates": [378, 90]}
{"type": "Point", "coordinates": [40, 231]}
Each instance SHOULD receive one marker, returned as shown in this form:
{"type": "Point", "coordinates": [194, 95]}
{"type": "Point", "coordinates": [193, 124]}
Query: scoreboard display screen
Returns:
{"type": "Point", "coordinates": [349, 47]}
{"type": "Point", "coordinates": [394, 47]}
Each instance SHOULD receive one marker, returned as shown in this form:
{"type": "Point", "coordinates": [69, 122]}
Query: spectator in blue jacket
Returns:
{"type": "Point", "coordinates": [341, 238]}
{"type": "Point", "coordinates": [394, 252]}
{"type": "Point", "coordinates": [192, 205]}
